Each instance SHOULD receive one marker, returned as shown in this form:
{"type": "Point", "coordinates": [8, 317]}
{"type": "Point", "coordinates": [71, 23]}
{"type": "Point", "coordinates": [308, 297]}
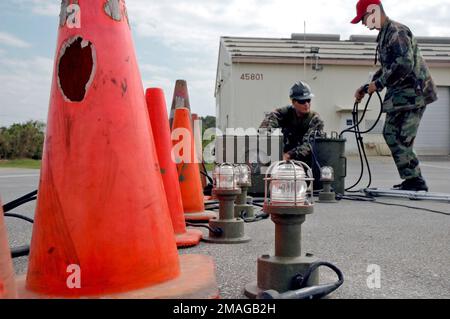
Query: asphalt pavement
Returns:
{"type": "Point", "coordinates": [408, 248]}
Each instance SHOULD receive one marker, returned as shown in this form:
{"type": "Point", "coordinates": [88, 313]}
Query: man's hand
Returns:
{"type": "Point", "coordinates": [286, 157]}
{"type": "Point", "coordinates": [372, 88]}
{"type": "Point", "coordinates": [359, 95]}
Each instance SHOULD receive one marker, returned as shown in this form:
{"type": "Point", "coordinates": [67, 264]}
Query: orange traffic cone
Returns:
{"type": "Point", "coordinates": [196, 127]}
{"type": "Point", "coordinates": [102, 225]}
{"type": "Point", "coordinates": [161, 132]}
{"type": "Point", "coordinates": [188, 170]}
{"type": "Point", "coordinates": [7, 283]}
{"type": "Point", "coordinates": [180, 99]}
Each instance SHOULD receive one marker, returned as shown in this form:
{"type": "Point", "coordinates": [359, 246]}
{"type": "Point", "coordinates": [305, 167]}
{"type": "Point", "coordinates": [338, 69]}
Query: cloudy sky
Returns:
{"type": "Point", "coordinates": [178, 39]}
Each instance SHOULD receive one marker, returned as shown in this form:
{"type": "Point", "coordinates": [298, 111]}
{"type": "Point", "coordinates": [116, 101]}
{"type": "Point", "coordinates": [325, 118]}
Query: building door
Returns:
{"type": "Point", "coordinates": [433, 137]}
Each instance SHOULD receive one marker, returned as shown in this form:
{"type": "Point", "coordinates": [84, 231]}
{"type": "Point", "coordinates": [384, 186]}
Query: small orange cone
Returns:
{"type": "Point", "coordinates": [188, 170]}
{"type": "Point", "coordinates": [161, 132]}
{"type": "Point", "coordinates": [102, 225]}
{"type": "Point", "coordinates": [180, 99]}
{"type": "Point", "coordinates": [7, 283]}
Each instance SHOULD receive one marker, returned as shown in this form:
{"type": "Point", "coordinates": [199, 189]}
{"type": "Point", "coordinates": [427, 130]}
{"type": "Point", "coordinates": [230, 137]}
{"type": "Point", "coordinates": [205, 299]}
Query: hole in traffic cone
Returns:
{"type": "Point", "coordinates": [7, 283]}
{"type": "Point", "coordinates": [188, 169]}
{"type": "Point", "coordinates": [102, 225]}
{"type": "Point", "coordinates": [161, 132]}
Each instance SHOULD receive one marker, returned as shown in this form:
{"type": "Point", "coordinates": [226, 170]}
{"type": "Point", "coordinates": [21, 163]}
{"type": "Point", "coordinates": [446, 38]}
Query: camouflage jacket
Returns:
{"type": "Point", "coordinates": [296, 130]}
{"type": "Point", "coordinates": [403, 70]}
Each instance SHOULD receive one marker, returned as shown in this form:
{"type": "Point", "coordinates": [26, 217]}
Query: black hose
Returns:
{"type": "Point", "coordinates": [257, 218]}
{"type": "Point", "coordinates": [215, 230]}
{"type": "Point", "coordinates": [300, 291]}
{"type": "Point", "coordinates": [205, 173]}
{"type": "Point", "coordinates": [359, 139]}
{"type": "Point", "coordinates": [20, 251]}
{"type": "Point", "coordinates": [20, 201]}
{"type": "Point", "coordinates": [30, 220]}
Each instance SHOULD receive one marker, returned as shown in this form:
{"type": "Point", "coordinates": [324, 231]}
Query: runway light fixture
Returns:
{"type": "Point", "coordinates": [288, 199]}
{"type": "Point", "coordinates": [226, 188]}
{"type": "Point", "coordinates": [327, 195]}
{"type": "Point", "coordinates": [243, 205]}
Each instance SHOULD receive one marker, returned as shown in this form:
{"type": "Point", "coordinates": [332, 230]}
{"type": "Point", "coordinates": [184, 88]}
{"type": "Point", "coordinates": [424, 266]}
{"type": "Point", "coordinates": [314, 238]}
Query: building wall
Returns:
{"type": "Point", "coordinates": [255, 89]}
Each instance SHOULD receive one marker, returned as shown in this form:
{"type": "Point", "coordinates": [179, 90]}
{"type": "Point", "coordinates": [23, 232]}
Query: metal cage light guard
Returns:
{"type": "Point", "coordinates": [225, 177]}
{"type": "Point", "coordinates": [243, 175]}
{"type": "Point", "coordinates": [307, 177]}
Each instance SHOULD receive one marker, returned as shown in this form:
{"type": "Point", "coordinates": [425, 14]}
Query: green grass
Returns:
{"type": "Point", "coordinates": [20, 163]}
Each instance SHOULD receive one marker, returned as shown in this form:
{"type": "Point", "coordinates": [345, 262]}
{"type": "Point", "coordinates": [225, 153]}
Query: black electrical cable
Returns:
{"type": "Point", "coordinates": [299, 282]}
{"type": "Point", "coordinates": [257, 218]}
{"type": "Point", "coordinates": [19, 217]}
{"type": "Point", "coordinates": [205, 173]}
{"type": "Point", "coordinates": [216, 230]}
{"type": "Point", "coordinates": [359, 139]}
{"type": "Point", "coordinates": [366, 198]}
{"type": "Point", "coordinates": [20, 251]}
{"type": "Point", "coordinates": [20, 201]}
{"type": "Point", "coordinates": [413, 207]}
{"type": "Point", "coordinates": [212, 207]}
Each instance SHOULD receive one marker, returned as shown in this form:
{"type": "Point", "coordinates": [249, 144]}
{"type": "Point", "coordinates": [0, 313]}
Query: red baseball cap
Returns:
{"type": "Point", "coordinates": [361, 9]}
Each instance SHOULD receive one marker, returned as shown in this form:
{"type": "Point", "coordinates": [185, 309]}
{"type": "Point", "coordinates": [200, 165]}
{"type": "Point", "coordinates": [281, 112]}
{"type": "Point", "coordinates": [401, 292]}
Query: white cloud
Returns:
{"type": "Point", "coordinates": [188, 33]}
{"type": "Point", "coordinates": [25, 89]}
{"type": "Point", "coordinates": [39, 7]}
{"type": "Point", "coordinates": [12, 41]}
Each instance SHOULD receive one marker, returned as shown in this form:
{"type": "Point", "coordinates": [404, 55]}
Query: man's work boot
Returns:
{"type": "Point", "coordinates": [399, 186]}
{"type": "Point", "coordinates": [415, 184]}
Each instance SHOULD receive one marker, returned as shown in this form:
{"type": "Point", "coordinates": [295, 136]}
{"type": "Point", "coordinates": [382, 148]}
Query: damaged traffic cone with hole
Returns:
{"type": "Point", "coordinates": [7, 283]}
{"type": "Point", "coordinates": [102, 225]}
{"type": "Point", "coordinates": [180, 99]}
{"type": "Point", "coordinates": [183, 153]}
{"type": "Point", "coordinates": [161, 132]}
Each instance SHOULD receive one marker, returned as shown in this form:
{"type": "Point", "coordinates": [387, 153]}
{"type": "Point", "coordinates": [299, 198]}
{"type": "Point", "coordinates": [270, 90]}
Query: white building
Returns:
{"type": "Point", "coordinates": [254, 76]}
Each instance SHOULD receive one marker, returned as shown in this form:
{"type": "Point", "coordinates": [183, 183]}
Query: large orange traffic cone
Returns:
{"type": "Point", "coordinates": [7, 283]}
{"type": "Point", "coordinates": [161, 132]}
{"type": "Point", "coordinates": [180, 99]}
{"type": "Point", "coordinates": [102, 226]}
{"type": "Point", "coordinates": [188, 170]}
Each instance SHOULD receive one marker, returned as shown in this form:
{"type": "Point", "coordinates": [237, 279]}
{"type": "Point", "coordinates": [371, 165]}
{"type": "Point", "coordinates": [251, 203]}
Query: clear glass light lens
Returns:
{"type": "Point", "coordinates": [288, 186]}
{"type": "Point", "coordinates": [225, 177]}
{"type": "Point", "coordinates": [243, 174]}
{"type": "Point", "coordinates": [327, 173]}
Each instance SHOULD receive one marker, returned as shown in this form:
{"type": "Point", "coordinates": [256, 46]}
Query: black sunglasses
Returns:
{"type": "Point", "coordinates": [303, 101]}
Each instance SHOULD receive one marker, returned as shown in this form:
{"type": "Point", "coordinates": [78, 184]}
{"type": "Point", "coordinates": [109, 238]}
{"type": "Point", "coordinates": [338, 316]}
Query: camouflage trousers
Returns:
{"type": "Point", "coordinates": [400, 132]}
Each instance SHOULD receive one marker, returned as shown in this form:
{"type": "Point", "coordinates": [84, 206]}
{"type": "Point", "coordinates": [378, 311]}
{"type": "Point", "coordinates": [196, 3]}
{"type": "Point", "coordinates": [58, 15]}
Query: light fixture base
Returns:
{"type": "Point", "coordinates": [232, 232]}
{"type": "Point", "coordinates": [277, 273]}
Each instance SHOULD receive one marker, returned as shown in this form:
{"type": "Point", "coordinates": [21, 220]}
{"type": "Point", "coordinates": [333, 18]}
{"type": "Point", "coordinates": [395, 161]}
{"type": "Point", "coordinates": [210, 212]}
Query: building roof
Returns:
{"type": "Point", "coordinates": [328, 48]}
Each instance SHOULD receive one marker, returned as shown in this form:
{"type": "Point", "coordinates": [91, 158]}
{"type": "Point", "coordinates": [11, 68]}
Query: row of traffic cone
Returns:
{"type": "Point", "coordinates": [109, 201]}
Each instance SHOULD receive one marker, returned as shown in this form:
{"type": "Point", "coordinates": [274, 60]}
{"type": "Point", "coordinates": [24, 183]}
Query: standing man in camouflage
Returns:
{"type": "Point", "coordinates": [297, 122]}
{"type": "Point", "coordinates": [409, 89]}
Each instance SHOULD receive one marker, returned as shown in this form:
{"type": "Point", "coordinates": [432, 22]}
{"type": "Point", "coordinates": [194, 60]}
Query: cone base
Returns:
{"type": "Point", "coordinates": [200, 217]}
{"type": "Point", "coordinates": [190, 238]}
{"type": "Point", "coordinates": [200, 267]}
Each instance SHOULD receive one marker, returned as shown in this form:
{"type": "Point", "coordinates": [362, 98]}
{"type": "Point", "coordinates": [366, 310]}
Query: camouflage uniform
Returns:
{"type": "Point", "coordinates": [296, 130]}
{"type": "Point", "coordinates": [409, 89]}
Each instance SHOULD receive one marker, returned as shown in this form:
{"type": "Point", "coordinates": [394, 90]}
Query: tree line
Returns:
{"type": "Point", "coordinates": [26, 140]}
{"type": "Point", "coordinates": [23, 140]}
